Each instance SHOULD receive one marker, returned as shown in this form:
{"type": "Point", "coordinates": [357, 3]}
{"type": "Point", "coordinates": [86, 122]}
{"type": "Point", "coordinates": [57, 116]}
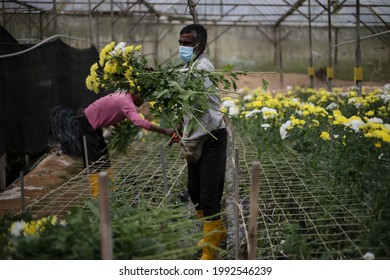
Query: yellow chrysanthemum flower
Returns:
{"type": "Point", "coordinates": [295, 121]}
{"type": "Point", "coordinates": [93, 70]}
{"type": "Point", "coordinates": [104, 52]}
{"type": "Point", "coordinates": [92, 83]}
{"type": "Point", "coordinates": [325, 135]}
{"type": "Point", "coordinates": [110, 67]}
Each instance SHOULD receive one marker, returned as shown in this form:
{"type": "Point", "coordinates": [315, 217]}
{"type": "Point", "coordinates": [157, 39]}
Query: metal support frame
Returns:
{"type": "Point", "coordinates": [330, 64]}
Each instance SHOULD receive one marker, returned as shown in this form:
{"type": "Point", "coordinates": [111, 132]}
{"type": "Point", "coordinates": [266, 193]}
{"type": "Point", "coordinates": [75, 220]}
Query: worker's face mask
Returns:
{"type": "Point", "coordinates": [186, 53]}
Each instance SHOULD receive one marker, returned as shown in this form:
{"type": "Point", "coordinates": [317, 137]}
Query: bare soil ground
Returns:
{"type": "Point", "coordinates": [52, 171]}
{"type": "Point", "coordinates": [279, 82]}
{"type": "Point", "coordinates": [57, 168]}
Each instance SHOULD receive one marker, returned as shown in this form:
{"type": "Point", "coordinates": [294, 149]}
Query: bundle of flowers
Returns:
{"type": "Point", "coordinates": [171, 91]}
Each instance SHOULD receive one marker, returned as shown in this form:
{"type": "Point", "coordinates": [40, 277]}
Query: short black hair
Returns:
{"type": "Point", "coordinates": [199, 30]}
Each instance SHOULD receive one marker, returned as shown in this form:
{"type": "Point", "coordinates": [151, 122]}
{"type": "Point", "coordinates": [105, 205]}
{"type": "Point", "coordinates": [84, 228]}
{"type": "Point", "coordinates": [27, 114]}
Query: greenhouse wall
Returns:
{"type": "Point", "coordinates": [247, 47]}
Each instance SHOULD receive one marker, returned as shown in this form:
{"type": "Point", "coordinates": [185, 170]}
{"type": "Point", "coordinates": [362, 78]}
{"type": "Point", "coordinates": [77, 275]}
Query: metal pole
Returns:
{"type": "Point", "coordinates": [252, 232]}
{"type": "Point", "coordinates": [280, 55]}
{"type": "Point", "coordinates": [27, 164]}
{"type": "Point", "coordinates": [330, 68]}
{"type": "Point", "coordinates": [157, 40]}
{"type": "Point", "coordinates": [90, 22]}
{"type": "Point", "coordinates": [192, 7]}
{"type": "Point", "coordinates": [3, 177]}
{"type": "Point", "coordinates": [358, 50]}
{"type": "Point", "coordinates": [311, 69]}
{"type": "Point", "coordinates": [21, 191]}
{"type": "Point", "coordinates": [3, 14]}
{"type": "Point", "coordinates": [55, 15]}
{"type": "Point", "coordinates": [86, 154]}
{"type": "Point", "coordinates": [163, 169]}
{"type": "Point", "coordinates": [112, 20]}
{"type": "Point", "coordinates": [105, 218]}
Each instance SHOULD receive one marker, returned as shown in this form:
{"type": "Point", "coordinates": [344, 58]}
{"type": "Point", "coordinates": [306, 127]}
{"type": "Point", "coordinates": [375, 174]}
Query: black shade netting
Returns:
{"type": "Point", "coordinates": [32, 85]}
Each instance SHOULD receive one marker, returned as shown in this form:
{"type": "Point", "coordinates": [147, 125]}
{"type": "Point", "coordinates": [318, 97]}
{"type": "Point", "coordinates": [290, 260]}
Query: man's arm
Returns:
{"type": "Point", "coordinates": [166, 131]}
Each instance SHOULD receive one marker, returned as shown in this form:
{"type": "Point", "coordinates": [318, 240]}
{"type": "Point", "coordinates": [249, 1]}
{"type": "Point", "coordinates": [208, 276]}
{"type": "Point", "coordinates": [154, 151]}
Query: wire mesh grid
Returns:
{"type": "Point", "coordinates": [138, 172]}
{"type": "Point", "coordinates": [299, 216]}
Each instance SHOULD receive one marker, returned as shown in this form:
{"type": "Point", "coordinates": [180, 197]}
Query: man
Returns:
{"type": "Point", "coordinates": [206, 175]}
{"type": "Point", "coordinates": [108, 110]}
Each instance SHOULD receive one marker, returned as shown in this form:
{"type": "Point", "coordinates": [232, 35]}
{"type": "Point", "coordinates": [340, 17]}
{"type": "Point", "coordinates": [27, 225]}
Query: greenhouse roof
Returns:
{"type": "Point", "coordinates": [220, 12]}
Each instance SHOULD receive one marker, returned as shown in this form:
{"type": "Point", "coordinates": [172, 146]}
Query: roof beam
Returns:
{"type": "Point", "coordinates": [27, 5]}
{"type": "Point", "coordinates": [150, 7]}
{"type": "Point", "coordinates": [289, 12]}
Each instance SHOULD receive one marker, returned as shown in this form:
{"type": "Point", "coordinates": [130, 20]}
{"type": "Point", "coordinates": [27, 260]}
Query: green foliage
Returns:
{"type": "Point", "coordinates": [125, 133]}
{"type": "Point", "coordinates": [295, 244]}
{"type": "Point", "coordinates": [139, 232]}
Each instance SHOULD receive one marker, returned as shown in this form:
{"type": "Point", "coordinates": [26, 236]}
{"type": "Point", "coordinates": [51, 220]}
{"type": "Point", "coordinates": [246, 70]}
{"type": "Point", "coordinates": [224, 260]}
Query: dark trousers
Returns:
{"type": "Point", "coordinates": [206, 178]}
{"type": "Point", "coordinates": [97, 150]}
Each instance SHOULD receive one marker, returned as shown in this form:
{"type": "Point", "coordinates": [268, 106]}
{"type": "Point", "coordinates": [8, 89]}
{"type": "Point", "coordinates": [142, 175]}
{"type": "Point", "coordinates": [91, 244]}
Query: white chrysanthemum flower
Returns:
{"type": "Point", "coordinates": [119, 48]}
{"type": "Point", "coordinates": [375, 120]}
{"type": "Point", "coordinates": [369, 256]}
{"type": "Point", "coordinates": [289, 87]}
{"type": "Point", "coordinates": [332, 106]}
{"type": "Point", "coordinates": [385, 96]}
{"type": "Point", "coordinates": [17, 228]}
{"type": "Point", "coordinates": [252, 113]}
{"type": "Point", "coordinates": [265, 126]}
{"type": "Point", "coordinates": [298, 112]}
{"type": "Point", "coordinates": [283, 129]}
{"type": "Point", "coordinates": [228, 103]}
{"type": "Point", "coordinates": [386, 88]}
{"type": "Point", "coordinates": [355, 124]}
{"type": "Point", "coordinates": [271, 110]}
{"type": "Point", "coordinates": [234, 111]}
{"type": "Point", "coordinates": [344, 94]}
{"type": "Point", "coordinates": [387, 126]}
{"type": "Point", "coordinates": [247, 97]}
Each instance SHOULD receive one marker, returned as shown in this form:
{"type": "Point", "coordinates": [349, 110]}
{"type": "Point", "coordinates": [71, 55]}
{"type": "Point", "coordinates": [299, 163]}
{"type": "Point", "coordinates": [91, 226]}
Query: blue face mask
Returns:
{"type": "Point", "coordinates": [186, 53]}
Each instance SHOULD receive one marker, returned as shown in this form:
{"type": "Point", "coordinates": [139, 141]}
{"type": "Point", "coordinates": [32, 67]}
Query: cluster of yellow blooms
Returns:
{"type": "Point", "coordinates": [320, 109]}
{"type": "Point", "coordinates": [116, 61]}
{"type": "Point", "coordinates": [32, 228]}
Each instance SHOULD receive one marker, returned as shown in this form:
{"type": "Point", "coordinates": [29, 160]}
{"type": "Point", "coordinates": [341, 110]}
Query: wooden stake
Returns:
{"type": "Point", "coordinates": [236, 199]}
{"type": "Point", "coordinates": [255, 167]}
{"type": "Point", "coordinates": [105, 218]}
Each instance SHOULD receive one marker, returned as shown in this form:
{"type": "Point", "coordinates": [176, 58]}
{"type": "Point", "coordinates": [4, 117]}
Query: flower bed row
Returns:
{"type": "Point", "coordinates": [340, 133]}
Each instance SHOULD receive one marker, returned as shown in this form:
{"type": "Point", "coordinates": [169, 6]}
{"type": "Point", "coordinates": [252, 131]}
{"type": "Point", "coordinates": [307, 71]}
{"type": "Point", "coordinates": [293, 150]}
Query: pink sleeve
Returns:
{"type": "Point", "coordinates": [138, 121]}
{"type": "Point", "coordinates": [132, 114]}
